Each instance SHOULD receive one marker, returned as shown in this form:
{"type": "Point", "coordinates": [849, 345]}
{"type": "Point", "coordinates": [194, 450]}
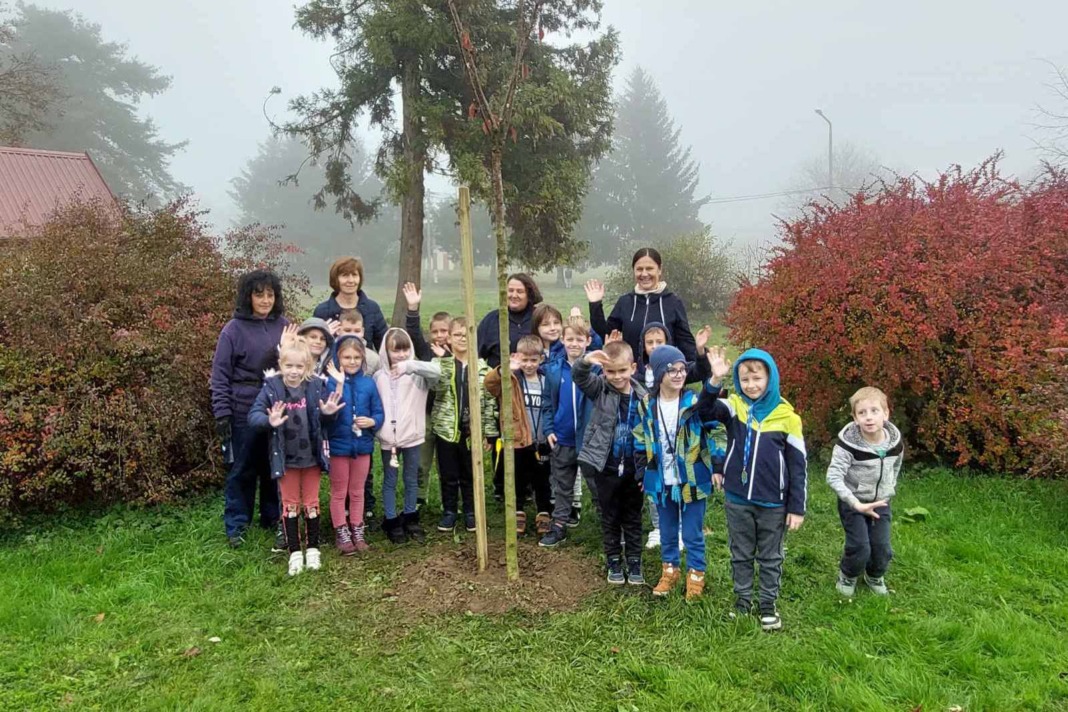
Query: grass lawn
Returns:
{"type": "Point", "coordinates": [117, 611]}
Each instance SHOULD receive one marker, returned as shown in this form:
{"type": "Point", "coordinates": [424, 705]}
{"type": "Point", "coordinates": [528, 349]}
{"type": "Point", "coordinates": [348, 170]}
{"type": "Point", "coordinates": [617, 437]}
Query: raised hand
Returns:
{"type": "Point", "coordinates": [594, 290]}
{"type": "Point", "coordinates": [413, 295]}
{"type": "Point", "coordinates": [718, 362]}
{"type": "Point", "coordinates": [334, 325]}
{"type": "Point", "coordinates": [334, 372]}
{"type": "Point", "coordinates": [794, 521]}
{"type": "Point", "coordinates": [868, 508]}
{"type": "Point", "coordinates": [702, 336]}
{"type": "Point", "coordinates": [362, 421]}
{"type": "Point", "coordinates": [514, 361]}
{"type": "Point", "coordinates": [575, 311]}
{"type": "Point", "coordinates": [277, 414]}
{"type": "Point", "coordinates": [439, 351]}
{"type": "Point", "coordinates": [289, 334]}
{"type": "Point", "coordinates": [599, 358]}
{"type": "Point", "coordinates": [616, 335]}
{"type": "Point", "coordinates": [332, 404]}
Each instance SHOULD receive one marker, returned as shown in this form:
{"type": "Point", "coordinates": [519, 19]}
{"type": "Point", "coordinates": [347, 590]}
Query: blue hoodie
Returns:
{"type": "Point", "coordinates": [360, 396]}
{"type": "Point", "coordinates": [766, 462]}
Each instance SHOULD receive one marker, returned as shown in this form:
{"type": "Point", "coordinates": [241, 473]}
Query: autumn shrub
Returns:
{"type": "Point", "coordinates": [947, 295]}
{"type": "Point", "coordinates": [106, 336]}
{"type": "Point", "coordinates": [696, 267]}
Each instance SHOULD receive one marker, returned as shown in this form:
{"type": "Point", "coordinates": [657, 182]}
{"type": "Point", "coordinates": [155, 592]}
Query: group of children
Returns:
{"type": "Point", "coordinates": [626, 422]}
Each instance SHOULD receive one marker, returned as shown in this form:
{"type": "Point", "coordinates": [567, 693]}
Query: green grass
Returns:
{"type": "Point", "coordinates": [978, 618]}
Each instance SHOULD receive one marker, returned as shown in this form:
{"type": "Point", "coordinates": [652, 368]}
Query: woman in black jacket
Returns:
{"type": "Point", "coordinates": [523, 296]}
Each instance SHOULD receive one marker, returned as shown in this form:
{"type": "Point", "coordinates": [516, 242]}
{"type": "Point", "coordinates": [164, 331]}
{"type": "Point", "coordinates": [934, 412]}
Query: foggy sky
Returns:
{"type": "Point", "coordinates": [920, 85]}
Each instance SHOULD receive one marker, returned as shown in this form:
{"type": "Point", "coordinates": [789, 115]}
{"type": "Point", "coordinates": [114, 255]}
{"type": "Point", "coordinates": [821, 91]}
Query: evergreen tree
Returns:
{"type": "Point", "coordinates": [266, 192]}
{"type": "Point", "coordinates": [100, 87]}
{"type": "Point", "coordinates": [644, 191]}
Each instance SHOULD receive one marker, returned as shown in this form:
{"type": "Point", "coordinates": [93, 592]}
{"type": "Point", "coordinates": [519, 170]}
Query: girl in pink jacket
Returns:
{"type": "Point", "coordinates": [403, 384]}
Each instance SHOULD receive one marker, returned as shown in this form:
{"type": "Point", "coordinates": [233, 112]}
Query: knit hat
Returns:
{"type": "Point", "coordinates": [320, 324]}
{"type": "Point", "coordinates": [661, 358]}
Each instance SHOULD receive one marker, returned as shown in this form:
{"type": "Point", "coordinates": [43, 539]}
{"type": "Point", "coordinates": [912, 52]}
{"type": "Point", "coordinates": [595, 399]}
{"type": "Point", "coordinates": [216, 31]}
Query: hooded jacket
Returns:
{"type": "Point", "coordinates": [374, 323]}
{"type": "Point", "coordinates": [600, 432]}
{"type": "Point", "coordinates": [360, 396]}
{"type": "Point", "coordinates": [697, 368]}
{"type": "Point", "coordinates": [403, 398]}
{"type": "Point", "coordinates": [569, 408]}
{"type": "Point", "coordinates": [247, 347]}
{"type": "Point", "coordinates": [445, 418]}
{"type": "Point", "coordinates": [858, 473]}
{"type": "Point", "coordinates": [766, 462]}
{"type": "Point", "coordinates": [633, 312]}
{"type": "Point", "coordinates": [489, 340]}
{"type": "Point", "coordinates": [273, 391]}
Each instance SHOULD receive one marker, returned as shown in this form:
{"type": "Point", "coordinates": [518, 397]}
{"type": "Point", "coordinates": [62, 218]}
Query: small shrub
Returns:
{"type": "Point", "coordinates": [946, 295]}
{"type": "Point", "coordinates": [696, 268]}
{"type": "Point", "coordinates": [106, 337]}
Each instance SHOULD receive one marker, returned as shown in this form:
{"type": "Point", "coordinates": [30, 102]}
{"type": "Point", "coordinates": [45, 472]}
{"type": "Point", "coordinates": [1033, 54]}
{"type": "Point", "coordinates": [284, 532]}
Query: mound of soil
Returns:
{"type": "Point", "coordinates": [448, 581]}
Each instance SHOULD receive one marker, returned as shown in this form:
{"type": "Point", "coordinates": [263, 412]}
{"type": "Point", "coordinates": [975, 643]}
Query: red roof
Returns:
{"type": "Point", "coordinates": [35, 183]}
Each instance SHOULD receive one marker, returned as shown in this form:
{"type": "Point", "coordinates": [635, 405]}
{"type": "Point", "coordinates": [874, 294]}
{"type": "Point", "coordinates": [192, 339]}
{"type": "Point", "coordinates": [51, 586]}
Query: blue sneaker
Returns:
{"type": "Point", "coordinates": [555, 536]}
{"type": "Point", "coordinates": [615, 571]}
{"type": "Point", "coordinates": [634, 572]}
{"type": "Point", "coordinates": [447, 522]}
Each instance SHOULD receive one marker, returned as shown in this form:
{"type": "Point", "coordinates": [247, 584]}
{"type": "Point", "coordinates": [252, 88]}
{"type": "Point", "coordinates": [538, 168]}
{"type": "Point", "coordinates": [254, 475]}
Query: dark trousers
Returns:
{"type": "Point", "coordinates": [532, 474]}
{"type": "Point", "coordinates": [454, 473]}
{"type": "Point", "coordinates": [621, 513]}
{"type": "Point", "coordinates": [867, 542]}
{"type": "Point", "coordinates": [755, 534]}
{"type": "Point", "coordinates": [251, 469]}
{"type": "Point", "coordinates": [564, 461]}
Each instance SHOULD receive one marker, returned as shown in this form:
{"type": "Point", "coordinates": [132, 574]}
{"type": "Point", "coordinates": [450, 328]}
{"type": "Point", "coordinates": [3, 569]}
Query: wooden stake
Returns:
{"type": "Point", "coordinates": [474, 388]}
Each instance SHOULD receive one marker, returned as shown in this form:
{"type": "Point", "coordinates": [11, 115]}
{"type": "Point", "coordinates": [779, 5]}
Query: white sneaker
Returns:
{"type": "Point", "coordinates": [654, 539]}
{"type": "Point", "coordinates": [877, 585]}
{"type": "Point", "coordinates": [313, 560]}
{"type": "Point", "coordinates": [296, 563]}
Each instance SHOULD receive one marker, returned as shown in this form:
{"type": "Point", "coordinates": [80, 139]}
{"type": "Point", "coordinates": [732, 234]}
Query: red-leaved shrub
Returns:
{"type": "Point", "coordinates": [946, 295]}
{"type": "Point", "coordinates": [107, 330]}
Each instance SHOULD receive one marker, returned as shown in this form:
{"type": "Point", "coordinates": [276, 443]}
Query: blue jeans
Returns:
{"type": "Point", "coordinates": [409, 457]}
{"type": "Point", "coordinates": [693, 533]}
{"type": "Point", "coordinates": [251, 468]}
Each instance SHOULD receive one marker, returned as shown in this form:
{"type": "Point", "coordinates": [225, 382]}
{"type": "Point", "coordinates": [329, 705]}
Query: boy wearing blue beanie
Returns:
{"type": "Point", "coordinates": [764, 473]}
{"type": "Point", "coordinates": [675, 465]}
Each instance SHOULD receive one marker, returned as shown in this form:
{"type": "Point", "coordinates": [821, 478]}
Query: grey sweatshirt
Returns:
{"type": "Point", "coordinates": [857, 473]}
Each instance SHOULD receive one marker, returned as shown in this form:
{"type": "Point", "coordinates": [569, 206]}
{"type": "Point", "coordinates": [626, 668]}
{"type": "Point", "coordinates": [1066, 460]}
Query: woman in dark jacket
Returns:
{"type": "Point", "coordinates": [248, 345]}
{"type": "Point", "coordinates": [346, 281]}
{"type": "Point", "coordinates": [523, 296]}
{"type": "Point", "coordinates": [649, 301]}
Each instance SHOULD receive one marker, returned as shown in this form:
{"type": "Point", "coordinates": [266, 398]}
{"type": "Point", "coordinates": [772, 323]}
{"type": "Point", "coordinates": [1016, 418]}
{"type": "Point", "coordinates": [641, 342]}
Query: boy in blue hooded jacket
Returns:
{"type": "Point", "coordinates": [764, 473]}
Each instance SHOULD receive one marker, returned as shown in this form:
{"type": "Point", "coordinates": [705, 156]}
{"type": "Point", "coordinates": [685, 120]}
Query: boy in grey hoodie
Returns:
{"type": "Point", "coordinates": [863, 473]}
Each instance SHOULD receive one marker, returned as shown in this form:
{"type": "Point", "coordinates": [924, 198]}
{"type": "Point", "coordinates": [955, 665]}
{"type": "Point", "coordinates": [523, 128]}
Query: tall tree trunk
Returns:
{"type": "Point", "coordinates": [411, 237]}
{"type": "Point", "coordinates": [511, 552]}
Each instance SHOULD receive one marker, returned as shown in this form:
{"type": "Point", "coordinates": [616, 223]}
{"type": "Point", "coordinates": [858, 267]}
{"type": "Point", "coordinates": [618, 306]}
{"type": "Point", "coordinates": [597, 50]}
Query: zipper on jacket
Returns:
{"type": "Point", "coordinates": [752, 464]}
{"type": "Point", "coordinates": [782, 479]}
{"type": "Point", "coordinates": [875, 494]}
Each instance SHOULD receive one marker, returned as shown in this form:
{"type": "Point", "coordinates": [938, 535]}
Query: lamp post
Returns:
{"type": "Point", "coordinates": [830, 149]}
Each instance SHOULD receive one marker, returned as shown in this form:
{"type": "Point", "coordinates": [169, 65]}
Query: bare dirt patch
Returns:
{"type": "Point", "coordinates": [448, 581]}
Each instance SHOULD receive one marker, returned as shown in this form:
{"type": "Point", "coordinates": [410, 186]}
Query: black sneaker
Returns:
{"type": "Point", "coordinates": [279, 540]}
{"type": "Point", "coordinates": [412, 528]}
{"type": "Point", "coordinates": [615, 571]}
{"type": "Point", "coordinates": [556, 536]}
{"type": "Point", "coordinates": [634, 572]}
{"type": "Point", "coordinates": [741, 609]}
{"type": "Point", "coordinates": [447, 522]}
{"type": "Point", "coordinates": [575, 518]}
{"type": "Point", "coordinates": [369, 520]}
{"type": "Point", "coordinates": [235, 541]}
{"type": "Point", "coordinates": [769, 619]}
{"type": "Point", "coordinates": [469, 521]}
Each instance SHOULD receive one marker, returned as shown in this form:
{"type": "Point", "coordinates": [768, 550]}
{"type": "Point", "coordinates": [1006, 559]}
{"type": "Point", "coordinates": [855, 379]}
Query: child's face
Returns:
{"type": "Point", "coordinates": [398, 354]}
{"type": "Point", "coordinates": [618, 372]}
{"type": "Point", "coordinates": [351, 327]}
{"type": "Point", "coordinates": [351, 361]}
{"type": "Point", "coordinates": [293, 370]}
{"type": "Point", "coordinates": [263, 302]}
{"type": "Point", "coordinates": [674, 378]}
{"type": "Point", "coordinates": [316, 342]}
{"type": "Point", "coordinates": [528, 364]}
{"type": "Point", "coordinates": [439, 333]}
{"type": "Point", "coordinates": [550, 330]}
{"type": "Point", "coordinates": [458, 341]}
{"type": "Point", "coordinates": [653, 338]}
{"type": "Point", "coordinates": [575, 344]}
{"type": "Point", "coordinates": [753, 378]}
{"type": "Point", "coordinates": [870, 416]}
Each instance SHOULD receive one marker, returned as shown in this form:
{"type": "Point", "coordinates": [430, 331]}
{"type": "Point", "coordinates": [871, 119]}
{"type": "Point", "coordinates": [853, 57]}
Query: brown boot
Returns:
{"type": "Point", "coordinates": [520, 523]}
{"type": "Point", "coordinates": [695, 585]}
{"type": "Point", "coordinates": [543, 523]}
{"type": "Point", "coordinates": [668, 578]}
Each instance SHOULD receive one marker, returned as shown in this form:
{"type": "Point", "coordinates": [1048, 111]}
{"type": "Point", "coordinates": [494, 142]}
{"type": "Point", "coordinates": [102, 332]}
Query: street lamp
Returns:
{"type": "Point", "coordinates": [830, 149]}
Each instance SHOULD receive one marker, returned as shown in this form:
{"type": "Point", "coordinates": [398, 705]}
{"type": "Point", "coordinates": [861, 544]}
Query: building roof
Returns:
{"type": "Point", "coordinates": [35, 183]}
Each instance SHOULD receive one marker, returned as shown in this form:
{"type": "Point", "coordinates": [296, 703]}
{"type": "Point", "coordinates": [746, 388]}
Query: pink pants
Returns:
{"type": "Point", "coordinates": [300, 486]}
{"type": "Point", "coordinates": [347, 478]}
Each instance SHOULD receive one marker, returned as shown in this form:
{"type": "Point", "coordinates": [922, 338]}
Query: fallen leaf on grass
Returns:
{"type": "Point", "coordinates": [615, 651]}
{"type": "Point", "coordinates": [99, 618]}
{"type": "Point", "coordinates": [214, 639]}
{"type": "Point", "coordinates": [99, 550]}
{"type": "Point", "coordinates": [955, 708]}
{"type": "Point", "coordinates": [917, 708]}
{"type": "Point", "coordinates": [68, 699]}
{"type": "Point", "coordinates": [191, 652]}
